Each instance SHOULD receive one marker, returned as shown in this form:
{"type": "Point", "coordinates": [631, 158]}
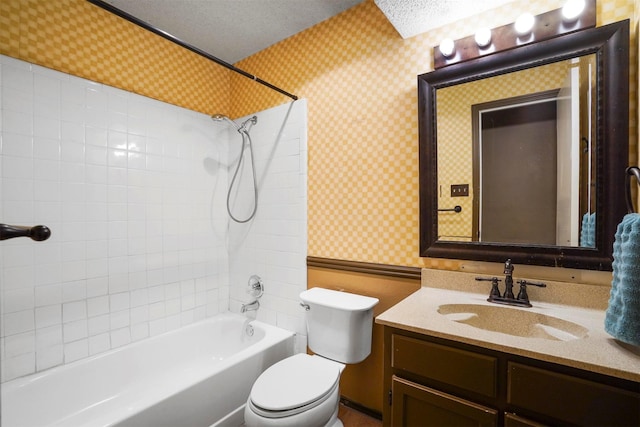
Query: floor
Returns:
{"type": "Point", "coordinates": [353, 418]}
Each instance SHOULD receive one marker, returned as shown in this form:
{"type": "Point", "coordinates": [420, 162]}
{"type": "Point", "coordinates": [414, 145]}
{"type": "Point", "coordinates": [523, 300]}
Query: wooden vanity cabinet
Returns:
{"type": "Point", "coordinates": [435, 382]}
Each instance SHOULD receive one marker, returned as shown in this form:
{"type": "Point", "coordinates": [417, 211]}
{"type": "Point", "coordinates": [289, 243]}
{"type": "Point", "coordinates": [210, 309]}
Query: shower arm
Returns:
{"type": "Point", "coordinates": [122, 14]}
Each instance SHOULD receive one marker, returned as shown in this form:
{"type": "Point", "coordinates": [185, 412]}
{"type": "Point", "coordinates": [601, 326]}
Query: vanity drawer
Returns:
{"type": "Point", "coordinates": [569, 399]}
{"type": "Point", "coordinates": [463, 369]}
{"type": "Point", "coordinates": [417, 405]}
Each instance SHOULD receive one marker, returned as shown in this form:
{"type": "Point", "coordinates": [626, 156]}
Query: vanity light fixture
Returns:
{"type": "Point", "coordinates": [447, 47]}
{"type": "Point", "coordinates": [576, 15]}
{"type": "Point", "coordinates": [524, 24]}
{"type": "Point", "coordinates": [483, 37]}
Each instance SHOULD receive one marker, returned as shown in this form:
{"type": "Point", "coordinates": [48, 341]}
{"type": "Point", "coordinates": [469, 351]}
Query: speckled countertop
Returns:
{"type": "Point", "coordinates": [596, 352]}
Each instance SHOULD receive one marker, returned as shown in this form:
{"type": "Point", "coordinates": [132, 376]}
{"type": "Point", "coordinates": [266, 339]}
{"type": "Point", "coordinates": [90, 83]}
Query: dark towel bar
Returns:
{"type": "Point", "coordinates": [37, 233]}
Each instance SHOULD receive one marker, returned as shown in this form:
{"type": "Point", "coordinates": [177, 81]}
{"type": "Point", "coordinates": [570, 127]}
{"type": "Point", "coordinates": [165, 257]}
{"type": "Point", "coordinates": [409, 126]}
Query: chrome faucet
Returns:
{"type": "Point", "coordinates": [252, 306]}
{"type": "Point", "coordinates": [255, 288]}
{"type": "Point", "coordinates": [508, 297]}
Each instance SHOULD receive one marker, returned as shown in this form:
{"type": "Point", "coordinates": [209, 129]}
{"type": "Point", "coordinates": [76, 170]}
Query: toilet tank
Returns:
{"type": "Point", "coordinates": [339, 324]}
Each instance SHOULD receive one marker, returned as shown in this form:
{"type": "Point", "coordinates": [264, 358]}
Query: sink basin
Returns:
{"type": "Point", "coordinates": [513, 321]}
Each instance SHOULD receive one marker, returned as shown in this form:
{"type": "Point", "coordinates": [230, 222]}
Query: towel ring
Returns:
{"type": "Point", "coordinates": [631, 171]}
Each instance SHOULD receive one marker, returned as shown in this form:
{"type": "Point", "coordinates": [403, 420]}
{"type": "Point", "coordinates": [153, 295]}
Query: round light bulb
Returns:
{"type": "Point", "coordinates": [524, 23]}
{"type": "Point", "coordinates": [483, 37]}
{"type": "Point", "coordinates": [447, 47]}
{"type": "Point", "coordinates": [572, 9]}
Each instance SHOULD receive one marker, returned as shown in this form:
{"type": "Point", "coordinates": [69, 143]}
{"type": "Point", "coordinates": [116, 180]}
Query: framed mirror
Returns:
{"type": "Point", "coordinates": [523, 152]}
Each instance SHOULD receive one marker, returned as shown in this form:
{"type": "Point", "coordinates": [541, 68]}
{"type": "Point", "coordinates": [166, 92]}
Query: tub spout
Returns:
{"type": "Point", "coordinates": [252, 306]}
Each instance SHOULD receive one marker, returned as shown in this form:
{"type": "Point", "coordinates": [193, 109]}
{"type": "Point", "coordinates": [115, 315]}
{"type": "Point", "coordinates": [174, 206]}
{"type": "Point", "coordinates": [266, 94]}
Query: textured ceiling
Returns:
{"type": "Point", "coordinates": [234, 29]}
{"type": "Point", "coordinates": [413, 17]}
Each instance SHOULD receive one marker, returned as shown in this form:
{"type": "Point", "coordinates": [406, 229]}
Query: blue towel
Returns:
{"type": "Point", "coordinates": [622, 319]}
{"type": "Point", "coordinates": [588, 231]}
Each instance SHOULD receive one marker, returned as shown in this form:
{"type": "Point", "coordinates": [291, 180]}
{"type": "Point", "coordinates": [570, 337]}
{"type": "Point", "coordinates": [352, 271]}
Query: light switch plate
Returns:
{"type": "Point", "coordinates": [460, 190]}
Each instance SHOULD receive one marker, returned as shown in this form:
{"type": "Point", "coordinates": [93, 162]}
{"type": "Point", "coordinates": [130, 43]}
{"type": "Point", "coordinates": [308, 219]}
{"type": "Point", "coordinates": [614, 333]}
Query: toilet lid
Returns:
{"type": "Point", "coordinates": [295, 382]}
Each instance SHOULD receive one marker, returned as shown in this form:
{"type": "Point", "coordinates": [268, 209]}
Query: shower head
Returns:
{"type": "Point", "coordinates": [222, 117]}
{"type": "Point", "coordinates": [244, 127]}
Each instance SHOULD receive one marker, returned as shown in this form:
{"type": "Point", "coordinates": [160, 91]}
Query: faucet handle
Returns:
{"type": "Point", "coordinates": [495, 292]}
{"type": "Point", "coordinates": [488, 279]}
{"type": "Point", "coordinates": [526, 282]}
{"type": "Point", "coordinates": [522, 295]}
{"type": "Point", "coordinates": [255, 286]}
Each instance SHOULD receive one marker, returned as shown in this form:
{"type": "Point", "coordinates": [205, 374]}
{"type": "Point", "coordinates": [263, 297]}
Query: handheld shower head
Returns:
{"type": "Point", "coordinates": [222, 118]}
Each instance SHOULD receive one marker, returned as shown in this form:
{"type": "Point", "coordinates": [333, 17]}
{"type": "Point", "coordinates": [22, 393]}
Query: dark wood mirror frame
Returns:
{"type": "Point", "coordinates": [610, 44]}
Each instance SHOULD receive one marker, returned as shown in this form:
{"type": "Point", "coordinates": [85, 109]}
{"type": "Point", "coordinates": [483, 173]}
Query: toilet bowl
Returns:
{"type": "Point", "coordinates": [304, 390]}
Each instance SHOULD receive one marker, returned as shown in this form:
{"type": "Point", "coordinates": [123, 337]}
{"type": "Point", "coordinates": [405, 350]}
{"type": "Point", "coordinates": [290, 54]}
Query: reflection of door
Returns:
{"type": "Point", "coordinates": [515, 151]}
{"type": "Point", "coordinates": [568, 191]}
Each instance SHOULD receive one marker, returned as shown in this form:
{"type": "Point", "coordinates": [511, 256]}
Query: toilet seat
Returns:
{"type": "Point", "coordinates": [294, 385]}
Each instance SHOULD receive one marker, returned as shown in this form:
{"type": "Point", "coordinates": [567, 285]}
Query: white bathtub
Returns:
{"type": "Point", "coordinates": [199, 375]}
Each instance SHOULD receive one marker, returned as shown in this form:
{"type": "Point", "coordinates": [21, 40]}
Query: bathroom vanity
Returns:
{"type": "Point", "coordinates": [442, 368]}
{"type": "Point", "coordinates": [450, 356]}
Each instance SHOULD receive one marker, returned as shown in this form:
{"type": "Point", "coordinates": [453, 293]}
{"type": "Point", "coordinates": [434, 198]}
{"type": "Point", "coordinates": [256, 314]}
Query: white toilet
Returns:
{"type": "Point", "coordinates": [303, 390]}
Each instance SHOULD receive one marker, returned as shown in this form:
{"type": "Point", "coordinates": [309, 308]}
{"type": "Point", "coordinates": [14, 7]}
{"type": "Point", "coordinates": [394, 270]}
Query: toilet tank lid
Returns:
{"type": "Point", "coordinates": [338, 299]}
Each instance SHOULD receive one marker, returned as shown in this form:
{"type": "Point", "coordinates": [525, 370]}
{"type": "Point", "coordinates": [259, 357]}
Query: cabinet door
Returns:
{"type": "Point", "coordinates": [416, 405]}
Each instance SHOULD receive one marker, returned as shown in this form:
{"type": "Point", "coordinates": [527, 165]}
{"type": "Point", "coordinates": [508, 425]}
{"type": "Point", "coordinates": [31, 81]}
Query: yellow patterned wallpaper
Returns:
{"type": "Point", "coordinates": [359, 77]}
{"type": "Point", "coordinates": [76, 37]}
{"type": "Point", "coordinates": [357, 74]}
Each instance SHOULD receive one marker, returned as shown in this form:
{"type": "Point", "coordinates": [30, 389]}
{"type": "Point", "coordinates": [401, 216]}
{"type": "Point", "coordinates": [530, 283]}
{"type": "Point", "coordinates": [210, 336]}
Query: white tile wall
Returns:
{"type": "Point", "coordinates": [134, 191]}
{"type": "Point", "coordinates": [274, 244]}
{"type": "Point", "coordinates": [139, 228]}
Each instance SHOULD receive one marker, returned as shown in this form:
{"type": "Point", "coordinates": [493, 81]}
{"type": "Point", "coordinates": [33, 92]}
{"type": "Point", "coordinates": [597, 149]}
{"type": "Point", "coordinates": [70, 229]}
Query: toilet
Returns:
{"type": "Point", "coordinates": [303, 390]}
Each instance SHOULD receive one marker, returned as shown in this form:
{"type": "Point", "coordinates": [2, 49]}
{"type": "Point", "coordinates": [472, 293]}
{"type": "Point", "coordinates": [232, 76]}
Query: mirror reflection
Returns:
{"type": "Point", "coordinates": [516, 152]}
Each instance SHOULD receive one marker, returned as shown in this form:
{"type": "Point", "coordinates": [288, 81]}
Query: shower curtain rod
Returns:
{"type": "Point", "coordinates": [108, 7]}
